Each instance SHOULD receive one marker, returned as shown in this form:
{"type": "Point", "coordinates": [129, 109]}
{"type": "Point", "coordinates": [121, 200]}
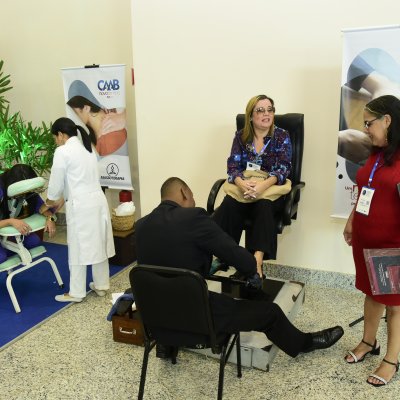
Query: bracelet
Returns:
{"type": "Point", "coordinates": [52, 218]}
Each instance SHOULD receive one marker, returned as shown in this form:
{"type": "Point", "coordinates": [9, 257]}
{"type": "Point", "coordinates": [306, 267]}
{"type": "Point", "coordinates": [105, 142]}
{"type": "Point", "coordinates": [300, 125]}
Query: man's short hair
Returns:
{"type": "Point", "coordinates": [170, 185]}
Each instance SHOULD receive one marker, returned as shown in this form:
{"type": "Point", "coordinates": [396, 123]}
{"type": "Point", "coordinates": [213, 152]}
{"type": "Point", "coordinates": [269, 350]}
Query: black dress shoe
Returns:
{"type": "Point", "coordinates": [324, 339]}
{"type": "Point", "coordinates": [163, 351]}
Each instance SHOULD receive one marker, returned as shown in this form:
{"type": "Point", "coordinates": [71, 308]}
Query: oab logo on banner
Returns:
{"type": "Point", "coordinates": [95, 99]}
{"type": "Point", "coordinates": [108, 88]}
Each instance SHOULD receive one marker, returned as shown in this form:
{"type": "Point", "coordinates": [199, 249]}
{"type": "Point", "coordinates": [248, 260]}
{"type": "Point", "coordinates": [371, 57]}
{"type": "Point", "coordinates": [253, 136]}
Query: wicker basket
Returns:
{"type": "Point", "coordinates": [123, 223]}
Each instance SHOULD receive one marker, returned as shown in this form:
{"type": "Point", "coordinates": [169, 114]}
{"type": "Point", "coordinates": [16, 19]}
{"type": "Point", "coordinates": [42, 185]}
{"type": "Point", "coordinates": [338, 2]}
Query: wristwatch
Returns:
{"type": "Point", "coordinates": [52, 218]}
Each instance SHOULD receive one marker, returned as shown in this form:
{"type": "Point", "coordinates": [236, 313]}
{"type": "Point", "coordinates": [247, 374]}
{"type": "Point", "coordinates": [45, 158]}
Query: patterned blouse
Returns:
{"type": "Point", "coordinates": [274, 158]}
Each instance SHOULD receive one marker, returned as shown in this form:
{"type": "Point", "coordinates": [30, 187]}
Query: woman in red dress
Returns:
{"type": "Point", "coordinates": [377, 226]}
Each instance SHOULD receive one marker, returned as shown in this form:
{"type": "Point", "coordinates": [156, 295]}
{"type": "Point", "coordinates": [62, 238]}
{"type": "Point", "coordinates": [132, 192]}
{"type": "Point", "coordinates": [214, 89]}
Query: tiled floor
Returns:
{"type": "Point", "coordinates": [73, 356]}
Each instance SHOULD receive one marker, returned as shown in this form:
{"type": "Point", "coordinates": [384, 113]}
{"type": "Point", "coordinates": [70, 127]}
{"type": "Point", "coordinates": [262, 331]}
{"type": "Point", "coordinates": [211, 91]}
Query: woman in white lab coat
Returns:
{"type": "Point", "coordinates": [75, 179]}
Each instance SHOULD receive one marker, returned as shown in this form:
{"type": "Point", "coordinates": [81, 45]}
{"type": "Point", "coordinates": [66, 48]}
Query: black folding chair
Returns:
{"type": "Point", "coordinates": [174, 308]}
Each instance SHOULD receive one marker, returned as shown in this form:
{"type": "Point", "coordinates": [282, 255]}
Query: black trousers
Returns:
{"type": "Point", "coordinates": [261, 233]}
{"type": "Point", "coordinates": [231, 316]}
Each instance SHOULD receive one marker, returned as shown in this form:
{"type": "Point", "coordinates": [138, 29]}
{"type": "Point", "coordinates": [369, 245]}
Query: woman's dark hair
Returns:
{"type": "Point", "coordinates": [388, 105]}
{"type": "Point", "coordinates": [80, 102]}
{"type": "Point", "coordinates": [17, 173]}
{"type": "Point", "coordinates": [67, 126]}
{"type": "Point", "coordinates": [248, 130]}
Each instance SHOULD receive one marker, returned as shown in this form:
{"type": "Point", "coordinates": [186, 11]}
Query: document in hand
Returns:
{"type": "Point", "coordinates": [383, 266]}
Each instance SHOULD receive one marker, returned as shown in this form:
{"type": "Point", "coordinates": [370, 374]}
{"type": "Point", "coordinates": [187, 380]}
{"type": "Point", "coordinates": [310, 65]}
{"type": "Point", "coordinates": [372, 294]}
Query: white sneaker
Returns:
{"type": "Point", "coordinates": [66, 298]}
{"type": "Point", "coordinates": [100, 293]}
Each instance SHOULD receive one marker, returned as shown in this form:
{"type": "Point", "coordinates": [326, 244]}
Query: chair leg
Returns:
{"type": "Point", "coordinates": [55, 270]}
{"type": "Point", "coordinates": [24, 268]}
{"type": "Point", "coordinates": [12, 293]}
{"type": "Point", "coordinates": [222, 362]}
{"type": "Point", "coordinates": [174, 354]}
{"type": "Point", "coordinates": [225, 352]}
{"type": "Point", "coordinates": [238, 356]}
{"type": "Point", "coordinates": [147, 350]}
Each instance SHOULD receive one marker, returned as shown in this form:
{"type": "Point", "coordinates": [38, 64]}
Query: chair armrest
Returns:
{"type": "Point", "coordinates": [213, 195]}
{"type": "Point", "coordinates": [35, 221]}
{"type": "Point", "coordinates": [291, 198]}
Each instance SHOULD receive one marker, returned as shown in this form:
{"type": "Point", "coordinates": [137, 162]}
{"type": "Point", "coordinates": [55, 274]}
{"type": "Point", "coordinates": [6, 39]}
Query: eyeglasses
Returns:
{"type": "Point", "coordinates": [262, 110]}
{"type": "Point", "coordinates": [367, 124]}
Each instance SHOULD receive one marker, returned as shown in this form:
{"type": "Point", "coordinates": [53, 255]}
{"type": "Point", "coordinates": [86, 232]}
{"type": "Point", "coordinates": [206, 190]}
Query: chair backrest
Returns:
{"type": "Point", "coordinates": [173, 305]}
{"type": "Point", "coordinates": [294, 124]}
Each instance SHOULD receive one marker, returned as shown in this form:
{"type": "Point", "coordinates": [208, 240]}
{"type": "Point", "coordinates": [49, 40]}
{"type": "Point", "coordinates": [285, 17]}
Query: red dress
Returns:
{"type": "Point", "coordinates": [381, 228]}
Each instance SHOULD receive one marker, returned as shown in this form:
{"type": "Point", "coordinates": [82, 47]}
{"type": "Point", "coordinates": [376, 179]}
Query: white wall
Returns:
{"type": "Point", "coordinates": [38, 38]}
{"type": "Point", "coordinates": [197, 64]}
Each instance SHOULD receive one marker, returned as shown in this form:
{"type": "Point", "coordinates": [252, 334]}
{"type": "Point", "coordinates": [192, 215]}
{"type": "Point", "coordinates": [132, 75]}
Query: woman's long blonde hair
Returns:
{"type": "Point", "coordinates": [248, 130]}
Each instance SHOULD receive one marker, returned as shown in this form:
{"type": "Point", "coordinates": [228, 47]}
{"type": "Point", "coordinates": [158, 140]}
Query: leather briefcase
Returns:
{"type": "Point", "coordinates": [128, 329]}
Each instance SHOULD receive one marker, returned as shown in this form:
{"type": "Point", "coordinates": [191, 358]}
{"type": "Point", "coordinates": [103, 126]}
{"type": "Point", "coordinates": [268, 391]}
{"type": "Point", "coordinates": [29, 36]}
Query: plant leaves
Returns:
{"type": "Point", "coordinates": [21, 141]}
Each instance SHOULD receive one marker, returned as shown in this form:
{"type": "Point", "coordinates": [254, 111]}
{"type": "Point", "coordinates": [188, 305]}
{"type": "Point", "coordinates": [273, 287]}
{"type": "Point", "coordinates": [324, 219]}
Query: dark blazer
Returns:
{"type": "Point", "coordinates": [179, 237]}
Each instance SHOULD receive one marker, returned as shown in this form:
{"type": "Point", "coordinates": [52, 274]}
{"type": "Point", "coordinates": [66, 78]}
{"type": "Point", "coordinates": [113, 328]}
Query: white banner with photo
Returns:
{"type": "Point", "coordinates": [371, 68]}
{"type": "Point", "coordinates": [95, 99]}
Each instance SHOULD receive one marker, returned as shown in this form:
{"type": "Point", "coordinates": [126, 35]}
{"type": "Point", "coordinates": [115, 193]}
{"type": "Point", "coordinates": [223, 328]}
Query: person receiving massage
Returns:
{"type": "Point", "coordinates": [107, 128]}
{"type": "Point", "coordinates": [260, 145]}
{"type": "Point", "coordinates": [33, 205]}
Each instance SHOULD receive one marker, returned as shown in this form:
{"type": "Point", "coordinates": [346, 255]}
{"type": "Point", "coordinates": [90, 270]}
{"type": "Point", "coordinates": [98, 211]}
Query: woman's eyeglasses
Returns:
{"type": "Point", "coordinates": [367, 124]}
{"type": "Point", "coordinates": [262, 110]}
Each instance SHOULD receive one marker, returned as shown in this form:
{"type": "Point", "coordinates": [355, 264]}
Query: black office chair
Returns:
{"type": "Point", "coordinates": [174, 308]}
{"type": "Point", "coordinates": [294, 124]}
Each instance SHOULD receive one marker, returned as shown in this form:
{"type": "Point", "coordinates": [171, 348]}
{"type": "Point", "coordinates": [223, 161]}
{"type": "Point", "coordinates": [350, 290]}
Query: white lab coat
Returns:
{"type": "Point", "coordinates": [75, 176]}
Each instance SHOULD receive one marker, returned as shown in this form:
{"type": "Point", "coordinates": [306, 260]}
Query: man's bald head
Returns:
{"type": "Point", "coordinates": [175, 189]}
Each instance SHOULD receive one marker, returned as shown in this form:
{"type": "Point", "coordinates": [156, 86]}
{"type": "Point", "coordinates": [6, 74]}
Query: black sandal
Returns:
{"type": "Point", "coordinates": [384, 382]}
{"type": "Point", "coordinates": [375, 352]}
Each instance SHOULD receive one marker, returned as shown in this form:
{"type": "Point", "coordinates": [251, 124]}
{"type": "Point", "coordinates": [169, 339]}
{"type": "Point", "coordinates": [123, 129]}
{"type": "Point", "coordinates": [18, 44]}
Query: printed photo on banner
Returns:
{"type": "Point", "coordinates": [370, 68]}
{"type": "Point", "coordinates": [106, 126]}
{"type": "Point", "coordinates": [95, 99]}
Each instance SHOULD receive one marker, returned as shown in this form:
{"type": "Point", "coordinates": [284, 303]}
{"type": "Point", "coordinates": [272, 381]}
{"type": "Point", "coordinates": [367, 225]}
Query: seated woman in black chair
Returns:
{"type": "Point", "coordinates": [259, 146]}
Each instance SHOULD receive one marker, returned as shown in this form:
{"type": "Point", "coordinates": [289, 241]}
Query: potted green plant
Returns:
{"type": "Point", "coordinates": [4, 87]}
{"type": "Point", "coordinates": [21, 141]}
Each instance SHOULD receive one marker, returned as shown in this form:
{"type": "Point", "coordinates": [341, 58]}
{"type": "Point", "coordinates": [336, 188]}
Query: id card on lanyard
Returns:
{"type": "Point", "coordinates": [367, 192]}
{"type": "Point", "coordinates": [256, 165]}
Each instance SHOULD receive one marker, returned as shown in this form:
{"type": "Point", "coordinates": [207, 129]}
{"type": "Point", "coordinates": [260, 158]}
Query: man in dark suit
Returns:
{"type": "Point", "coordinates": [178, 234]}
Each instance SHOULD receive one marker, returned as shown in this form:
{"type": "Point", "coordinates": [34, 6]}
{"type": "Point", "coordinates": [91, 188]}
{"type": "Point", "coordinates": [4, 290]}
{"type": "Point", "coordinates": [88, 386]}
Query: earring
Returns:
{"type": "Point", "coordinates": [251, 119]}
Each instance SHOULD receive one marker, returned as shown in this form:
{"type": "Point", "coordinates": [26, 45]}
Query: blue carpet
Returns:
{"type": "Point", "coordinates": [35, 290]}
